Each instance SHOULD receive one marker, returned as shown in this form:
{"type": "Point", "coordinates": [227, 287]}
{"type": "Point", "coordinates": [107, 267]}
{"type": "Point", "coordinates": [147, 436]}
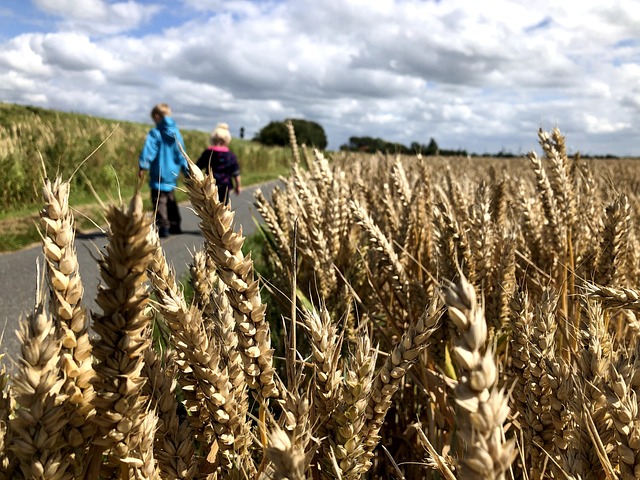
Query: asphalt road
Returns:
{"type": "Point", "coordinates": [18, 271]}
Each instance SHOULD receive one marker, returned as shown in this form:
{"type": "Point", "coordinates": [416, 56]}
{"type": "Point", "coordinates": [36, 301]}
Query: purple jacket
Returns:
{"type": "Point", "coordinates": [222, 162]}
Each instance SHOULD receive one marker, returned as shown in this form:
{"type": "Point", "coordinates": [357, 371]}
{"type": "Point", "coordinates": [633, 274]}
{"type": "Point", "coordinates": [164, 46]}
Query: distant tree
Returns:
{"type": "Point", "coordinates": [369, 144]}
{"type": "Point", "coordinates": [432, 148]}
{"type": "Point", "coordinates": [307, 132]}
{"type": "Point", "coordinates": [274, 133]}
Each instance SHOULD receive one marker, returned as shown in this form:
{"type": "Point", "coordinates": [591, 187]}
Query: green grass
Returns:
{"type": "Point", "coordinates": [106, 152]}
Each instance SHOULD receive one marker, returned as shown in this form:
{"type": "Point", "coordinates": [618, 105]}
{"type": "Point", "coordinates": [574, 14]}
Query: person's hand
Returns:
{"type": "Point", "coordinates": [237, 190]}
{"type": "Point", "coordinates": [141, 173]}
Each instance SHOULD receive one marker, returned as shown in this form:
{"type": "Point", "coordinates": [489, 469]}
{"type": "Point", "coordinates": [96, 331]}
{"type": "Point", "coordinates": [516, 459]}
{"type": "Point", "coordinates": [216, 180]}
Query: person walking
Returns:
{"type": "Point", "coordinates": [162, 156]}
{"type": "Point", "coordinates": [222, 162]}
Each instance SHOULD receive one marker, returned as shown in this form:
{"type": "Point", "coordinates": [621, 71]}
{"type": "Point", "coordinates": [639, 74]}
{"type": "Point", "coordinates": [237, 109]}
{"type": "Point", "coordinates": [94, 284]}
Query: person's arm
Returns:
{"type": "Point", "coordinates": [148, 153]}
{"type": "Point", "coordinates": [235, 173]}
{"type": "Point", "coordinates": [203, 160]}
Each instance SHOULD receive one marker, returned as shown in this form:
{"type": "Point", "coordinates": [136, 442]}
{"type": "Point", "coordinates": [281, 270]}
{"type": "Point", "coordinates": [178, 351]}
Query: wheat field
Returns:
{"type": "Point", "coordinates": [426, 318]}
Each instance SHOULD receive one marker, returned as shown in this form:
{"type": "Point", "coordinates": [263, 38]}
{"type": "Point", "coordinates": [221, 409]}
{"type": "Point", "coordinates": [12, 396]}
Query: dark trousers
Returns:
{"type": "Point", "coordinates": [166, 208]}
{"type": "Point", "coordinates": [223, 192]}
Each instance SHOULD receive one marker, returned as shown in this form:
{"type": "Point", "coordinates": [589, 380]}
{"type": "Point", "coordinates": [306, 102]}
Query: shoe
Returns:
{"type": "Point", "coordinates": [175, 231]}
{"type": "Point", "coordinates": [163, 232]}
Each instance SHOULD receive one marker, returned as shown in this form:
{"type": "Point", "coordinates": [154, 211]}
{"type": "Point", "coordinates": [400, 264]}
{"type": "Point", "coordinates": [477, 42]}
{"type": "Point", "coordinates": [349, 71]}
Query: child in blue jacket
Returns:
{"type": "Point", "coordinates": [162, 157]}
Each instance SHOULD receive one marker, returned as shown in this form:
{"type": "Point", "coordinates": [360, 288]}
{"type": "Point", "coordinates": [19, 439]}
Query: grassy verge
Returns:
{"type": "Point", "coordinates": [18, 229]}
{"type": "Point", "coordinates": [107, 151]}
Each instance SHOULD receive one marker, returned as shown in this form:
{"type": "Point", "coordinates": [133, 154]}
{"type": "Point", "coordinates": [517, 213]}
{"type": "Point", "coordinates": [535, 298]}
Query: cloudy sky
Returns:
{"type": "Point", "coordinates": [476, 75]}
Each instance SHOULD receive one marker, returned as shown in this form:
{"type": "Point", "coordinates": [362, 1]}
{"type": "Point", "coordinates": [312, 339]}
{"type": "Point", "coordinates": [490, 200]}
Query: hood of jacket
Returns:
{"type": "Point", "coordinates": [167, 127]}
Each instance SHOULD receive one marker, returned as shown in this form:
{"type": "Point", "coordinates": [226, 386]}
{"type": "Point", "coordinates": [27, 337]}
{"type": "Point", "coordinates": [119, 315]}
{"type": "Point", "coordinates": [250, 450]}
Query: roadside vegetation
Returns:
{"type": "Point", "coordinates": [104, 153]}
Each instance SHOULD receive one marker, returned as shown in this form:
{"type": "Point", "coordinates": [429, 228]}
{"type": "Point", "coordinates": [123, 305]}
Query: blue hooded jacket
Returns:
{"type": "Point", "coordinates": [162, 157]}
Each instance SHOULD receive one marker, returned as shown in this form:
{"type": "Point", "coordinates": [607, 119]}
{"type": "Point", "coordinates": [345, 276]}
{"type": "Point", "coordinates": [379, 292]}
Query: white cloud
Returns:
{"type": "Point", "coordinates": [477, 75]}
{"type": "Point", "coordinates": [598, 125]}
{"type": "Point", "coordinates": [98, 16]}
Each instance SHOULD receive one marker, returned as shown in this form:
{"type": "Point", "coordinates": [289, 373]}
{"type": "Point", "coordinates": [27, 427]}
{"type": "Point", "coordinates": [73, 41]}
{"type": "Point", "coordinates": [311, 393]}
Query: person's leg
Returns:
{"type": "Point", "coordinates": [174, 214]}
{"type": "Point", "coordinates": [223, 193]}
{"type": "Point", "coordinates": [159, 200]}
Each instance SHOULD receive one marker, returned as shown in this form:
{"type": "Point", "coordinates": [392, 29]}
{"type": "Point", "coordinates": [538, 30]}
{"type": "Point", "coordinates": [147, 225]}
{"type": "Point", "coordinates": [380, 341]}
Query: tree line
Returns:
{"type": "Point", "coordinates": [312, 134]}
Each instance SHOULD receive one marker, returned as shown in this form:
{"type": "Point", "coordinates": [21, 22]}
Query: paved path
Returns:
{"type": "Point", "coordinates": [18, 269]}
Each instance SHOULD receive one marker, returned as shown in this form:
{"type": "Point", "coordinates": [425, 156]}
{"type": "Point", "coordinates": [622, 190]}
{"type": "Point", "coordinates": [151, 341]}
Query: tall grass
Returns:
{"type": "Point", "coordinates": [30, 136]}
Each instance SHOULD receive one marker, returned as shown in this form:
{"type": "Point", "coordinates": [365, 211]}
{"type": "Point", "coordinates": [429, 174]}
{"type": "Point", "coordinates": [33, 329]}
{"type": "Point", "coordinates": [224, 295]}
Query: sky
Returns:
{"type": "Point", "coordinates": [481, 76]}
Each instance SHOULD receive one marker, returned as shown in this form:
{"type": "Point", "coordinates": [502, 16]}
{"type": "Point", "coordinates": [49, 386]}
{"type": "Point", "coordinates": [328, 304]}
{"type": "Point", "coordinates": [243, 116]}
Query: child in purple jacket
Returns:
{"type": "Point", "coordinates": [222, 162]}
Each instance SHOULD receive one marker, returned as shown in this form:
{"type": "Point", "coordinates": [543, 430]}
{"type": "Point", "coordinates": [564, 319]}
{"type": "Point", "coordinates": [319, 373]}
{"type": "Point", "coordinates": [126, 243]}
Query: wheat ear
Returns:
{"type": "Point", "coordinates": [622, 405]}
{"type": "Point", "coordinates": [287, 457]}
{"type": "Point", "coordinates": [281, 238]}
{"type": "Point", "coordinates": [173, 447]}
{"type": "Point", "coordinates": [185, 325]}
{"type": "Point", "coordinates": [202, 279]}
{"type": "Point", "coordinates": [390, 376]}
{"type": "Point", "coordinates": [612, 297]}
{"type": "Point", "coordinates": [293, 142]}
{"type": "Point", "coordinates": [123, 330]}
{"type": "Point", "coordinates": [483, 406]}
{"type": "Point", "coordinates": [39, 417]}
{"type": "Point", "coordinates": [610, 268]}
{"type": "Point", "coordinates": [236, 271]}
{"type": "Point", "coordinates": [389, 260]}
{"type": "Point", "coordinates": [553, 227]}
{"type": "Point", "coordinates": [325, 345]}
{"type": "Point", "coordinates": [215, 400]}
{"type": "Point", "coordinates": [66, 293]}
{"type": "Point", "coordinates": [452, 243]}
{"type": "Point", "coordinates": [311, 230]}
{"type": "Point", "coordinates": [5, 411]}
{"type": "Point", "coordinates": [349, 417]}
